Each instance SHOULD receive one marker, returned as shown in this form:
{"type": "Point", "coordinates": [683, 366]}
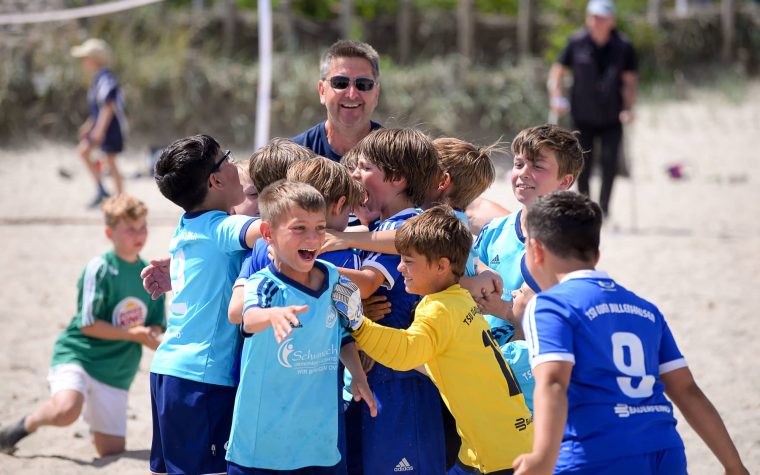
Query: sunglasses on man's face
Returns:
{"type": "Point", "coordinates": [342, 82]}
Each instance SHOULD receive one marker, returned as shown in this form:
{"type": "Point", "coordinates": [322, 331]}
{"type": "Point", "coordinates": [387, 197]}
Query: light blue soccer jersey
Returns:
{"type": "Point", "coordinates": [518, 357]}
{"type": "Point", "coordinates": [619, 344]}
{"type": "Point", "coordinates": [206, 252]}
{"type": "Point", "coordinates": [286, 409]}
{"type": "Point", "coordinates": [500, 245]}
{"type": "Point", "coordinates": [470, 268]}
{"type": "Point", "coordinates": [393, 287]}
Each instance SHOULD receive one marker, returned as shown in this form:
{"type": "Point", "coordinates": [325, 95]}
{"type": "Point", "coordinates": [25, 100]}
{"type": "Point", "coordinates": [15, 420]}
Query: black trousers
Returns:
{"type": "Point", "coordinates": [610, 137]}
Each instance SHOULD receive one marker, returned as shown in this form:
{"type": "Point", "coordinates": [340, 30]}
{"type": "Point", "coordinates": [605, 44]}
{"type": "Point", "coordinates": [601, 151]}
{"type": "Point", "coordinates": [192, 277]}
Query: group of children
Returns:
{"type": "Point", "coordinates": [275, 294]}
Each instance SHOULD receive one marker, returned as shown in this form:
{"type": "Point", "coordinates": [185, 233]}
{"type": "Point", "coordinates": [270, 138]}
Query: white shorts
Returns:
{"type": "Point", "coordinates": [105, 407]}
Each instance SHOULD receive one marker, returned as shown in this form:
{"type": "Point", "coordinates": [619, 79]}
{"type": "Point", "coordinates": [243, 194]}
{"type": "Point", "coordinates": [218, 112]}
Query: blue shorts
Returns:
{"type": "Point", "coordinates": [663, 462]}
{"type": "Point", "coordinates": [191, 425]}
{"type": "Point", "coordinates": [352, 418]}
{"type": "Point", "coordinates": [235, 469]}
{"type": "Point", "coordinates": [461, 469]}
{"type": "Point", "coordinates": [407, 434]}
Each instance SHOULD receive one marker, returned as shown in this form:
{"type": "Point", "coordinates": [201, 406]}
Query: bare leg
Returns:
{"type": "Point", "coordinates": [85, 150]}
{"type": "Point", "coordinates": [111, 158]}
{"type": "Point", "coordinates": [61, 410]}
{"type": "Point", "coordinates": [108, 444]}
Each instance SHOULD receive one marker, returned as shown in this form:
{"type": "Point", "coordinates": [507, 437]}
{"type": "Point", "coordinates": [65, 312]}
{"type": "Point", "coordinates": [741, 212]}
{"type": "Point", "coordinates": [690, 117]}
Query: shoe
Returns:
{"type": "Point", "coordinates": [102, 194]}
{"type": "Point", "coordinates": [10, 435]}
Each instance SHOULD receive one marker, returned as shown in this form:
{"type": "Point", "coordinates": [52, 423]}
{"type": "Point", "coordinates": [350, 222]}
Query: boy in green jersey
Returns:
{"type": "Point", "coordinates": [95, 359]}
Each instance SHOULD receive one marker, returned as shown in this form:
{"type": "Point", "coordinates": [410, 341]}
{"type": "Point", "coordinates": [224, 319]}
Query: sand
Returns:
{"type": "Point", "coordinates": [692, 246]}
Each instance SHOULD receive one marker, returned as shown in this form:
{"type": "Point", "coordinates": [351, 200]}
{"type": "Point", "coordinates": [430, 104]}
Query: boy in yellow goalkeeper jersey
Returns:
{"type": "Point", "coordinates": [450, 337]}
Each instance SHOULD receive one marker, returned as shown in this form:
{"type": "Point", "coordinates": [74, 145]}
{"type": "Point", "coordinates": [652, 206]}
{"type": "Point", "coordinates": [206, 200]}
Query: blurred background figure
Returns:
{"type": "Point", "coordinates": [106, 124]}
{"type": "Point", "coordinates": [603, 64]}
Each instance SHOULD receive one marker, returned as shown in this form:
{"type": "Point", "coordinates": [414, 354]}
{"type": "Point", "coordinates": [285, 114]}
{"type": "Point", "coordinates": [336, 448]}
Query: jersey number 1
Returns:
{"type": "Point", "coordinates": [634, 367]}
{"type": "Point", "coordinates": [514, 388]}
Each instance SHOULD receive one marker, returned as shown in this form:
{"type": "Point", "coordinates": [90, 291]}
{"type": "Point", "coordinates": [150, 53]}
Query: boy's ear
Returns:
{"type": "Point", "coordinates": [266, 231]}
{"type": "Point", "coordinates": [401, 181]}
{"type": "Point", "coordinates": [539, 252]}
{"type": "Point", "coordinates": [445, 183]}
{"type": "Point", "coordinates": [444, 265]}
{"type": "Point", "coordinates": [567, 181]}
{"type": "Point", "coordinates": [109, 232]}
{"type": "Point", "coordinates": [338, 205]}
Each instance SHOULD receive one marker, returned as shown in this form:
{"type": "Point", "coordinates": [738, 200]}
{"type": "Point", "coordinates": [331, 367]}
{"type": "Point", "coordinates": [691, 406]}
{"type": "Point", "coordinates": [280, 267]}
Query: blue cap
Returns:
{"type": "Point", "coordinates": [527, 277]}
{"type": "Point", "coordinates": [601, 8]}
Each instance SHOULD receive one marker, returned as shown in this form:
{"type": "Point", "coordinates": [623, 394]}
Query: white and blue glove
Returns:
{"type": "Point", "coordinates": [348, 303]}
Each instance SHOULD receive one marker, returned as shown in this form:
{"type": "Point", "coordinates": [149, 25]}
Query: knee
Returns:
{"type": "Point", "coordinates": [66, 415]}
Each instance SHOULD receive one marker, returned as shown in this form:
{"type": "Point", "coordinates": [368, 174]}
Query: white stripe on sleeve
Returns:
{"type": "Point", "coordinates": [89, 287]}
{"type": "Point", "coordinates": [671, 365]}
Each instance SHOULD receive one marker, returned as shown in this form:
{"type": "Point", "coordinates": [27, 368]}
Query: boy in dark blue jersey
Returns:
{"type": "Point", "coordinates": [396, 167]}
{"type": "Point", "coordinates": [603, 360]}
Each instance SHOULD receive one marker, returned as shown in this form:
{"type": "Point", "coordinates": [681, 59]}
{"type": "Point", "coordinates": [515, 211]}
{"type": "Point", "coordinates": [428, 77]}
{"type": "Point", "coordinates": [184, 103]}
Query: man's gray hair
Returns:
{"type": "Point", "coordinates": [350, 49]}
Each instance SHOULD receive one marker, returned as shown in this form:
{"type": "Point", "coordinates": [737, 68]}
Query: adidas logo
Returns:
{"type": "Point", "coordinates": [403, 466]}
{"type": "Point", "coordinates": [495, 260]}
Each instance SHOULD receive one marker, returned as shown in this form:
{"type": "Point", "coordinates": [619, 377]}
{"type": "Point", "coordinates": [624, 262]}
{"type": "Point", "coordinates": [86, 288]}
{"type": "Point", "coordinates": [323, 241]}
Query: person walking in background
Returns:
{"type": "Point", "coordinates": [603, 63]}
{"type": "Point", "coordinates": [106, 124]}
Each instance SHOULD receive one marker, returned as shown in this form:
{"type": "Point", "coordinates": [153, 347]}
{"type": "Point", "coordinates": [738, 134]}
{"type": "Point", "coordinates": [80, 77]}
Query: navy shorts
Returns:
{"type": "Point", "coordinates": [407, 434]}
{"type": "Point", "coordinates": [461, 469]}
{"type": "Point", "coordinates": [235, 469]}
{"type": "Point", "coordinates": [663, 462]}
{"type": "Point", "coordinates": [113, 142]}
{"type": "Point", "coordinates": [191, 425]}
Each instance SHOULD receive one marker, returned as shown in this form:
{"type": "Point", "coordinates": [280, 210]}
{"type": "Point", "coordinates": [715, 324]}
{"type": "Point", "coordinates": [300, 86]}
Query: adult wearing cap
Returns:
{"type": "Point", "coordinates": [603, 64]}
{"type": "Point", "coordinates": [106, 125]}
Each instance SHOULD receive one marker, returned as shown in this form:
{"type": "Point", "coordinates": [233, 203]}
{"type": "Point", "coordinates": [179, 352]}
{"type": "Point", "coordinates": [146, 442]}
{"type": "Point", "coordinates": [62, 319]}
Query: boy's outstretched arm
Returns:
{"type": "Point", "coordinates": [367, 279]}
{"type": "Point", "coordinates": [281, 319]}
{"type": "Point", "coordinates": [703, 418]}
{"type": "Point", "coordinates": [377, 241]}
{"type": "Point", "coordinates": [349, 356]}
{"type": "Point", "coordinates": [550, 414]}
{"type": "Point", "coordinates": [147, 336]}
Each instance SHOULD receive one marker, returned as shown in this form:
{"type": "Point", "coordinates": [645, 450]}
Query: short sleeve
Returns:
{"type": "Point", "coordinates": [107, 89]}
{"type": "Point", "coordinates": [93, 292]}
{"type": "Point", "coordinates": [229, 231]}
{"type": "Point", "coordinates": [259, 291]}
{"type": "Point", "coordinates": [548, 331]}
{"type": "Point", "coordinates": [670, 356]}
{"type": "Point", "coordinates": [386, 264]}
{"type": "Point", "coordinates": [480, 246]}
{"type": "Point", "coordinates": [565, 57]}
{"type": "Point", "coordinates": [631, 61]}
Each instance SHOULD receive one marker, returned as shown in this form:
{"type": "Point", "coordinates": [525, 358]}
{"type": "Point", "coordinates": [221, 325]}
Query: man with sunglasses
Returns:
{"type": "Point", "coordinates": [349, 88]}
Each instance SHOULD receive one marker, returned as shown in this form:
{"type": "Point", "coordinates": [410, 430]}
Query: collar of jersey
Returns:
{"type": "Point", "coordinates": [404, 212]}
{"type": "Point", "coordinates": [299, 286]}
{"type": "Point", "coordinates": [585, 274]}
{"type": "Point", "coordinates": [518, 227]}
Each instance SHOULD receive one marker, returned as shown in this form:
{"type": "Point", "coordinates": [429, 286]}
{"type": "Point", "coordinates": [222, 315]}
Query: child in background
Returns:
{"type": "Point", "coordinates": [546, 158]}
{"type": "Point", "coordinates": [250, 204]}
{"type": "Point", "coordinates": [286, 411]}
{"type": "Point", "coordinates": [451, 338]}
{"type": "Point", "coordinates": [106, 125]}
{"type": "Point", "coordinates": [96, 358]}
{"type": "Point", "coordinates": [397, 167]}
{"type": "Point", "coordinates": [603, 359]}
{"type": "Point", "coordinates": [192, 382]}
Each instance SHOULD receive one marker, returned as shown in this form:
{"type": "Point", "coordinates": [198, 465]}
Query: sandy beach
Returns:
{"type": "Point", "coordinates": [691, 245]}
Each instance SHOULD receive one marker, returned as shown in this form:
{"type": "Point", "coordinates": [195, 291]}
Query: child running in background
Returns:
{"type": "Point", "coordinates": [96, 358]}
{"type": "Point", "coordinates": [451, 338]}
{"type": "Point", "coordinates": [286, 411]}
{"type": "Point", "coordinates": [604, 359]}
{"type": "Point", "coordinates": [192, 381]}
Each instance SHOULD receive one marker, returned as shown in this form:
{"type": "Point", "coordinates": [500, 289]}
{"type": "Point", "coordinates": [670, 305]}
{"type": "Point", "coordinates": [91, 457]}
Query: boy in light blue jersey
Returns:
{"type": "Point", "coordinates": [286, 412]}
{"type": "Point", "coordinates": [603, 359]}
{"type": "Point", "coordinates": [192, 387]}
{"type": "Point", "coordinates": [546, 158]}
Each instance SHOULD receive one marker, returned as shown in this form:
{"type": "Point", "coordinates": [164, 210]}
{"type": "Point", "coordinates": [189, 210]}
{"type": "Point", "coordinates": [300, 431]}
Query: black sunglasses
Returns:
{"type": "Point", "coordinates": [342, 82]}
{"type": "Point", "coordinates": [227, 155]}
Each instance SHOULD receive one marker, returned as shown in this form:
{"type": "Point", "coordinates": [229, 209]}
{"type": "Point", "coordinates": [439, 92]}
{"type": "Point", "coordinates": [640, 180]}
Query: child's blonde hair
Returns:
{"type": "Point", "coordinates": [121, 207]}
{"type": "Point", "coordinates": [470, 167]}
{"type": "Point", "coordinates": [243, 167]}
{"type": "Point", "coordinates": [328, 177]}
{"type": "Point", "coordinates": [270, 163]}
{"type": "Point", "coordinates": [281, 196]}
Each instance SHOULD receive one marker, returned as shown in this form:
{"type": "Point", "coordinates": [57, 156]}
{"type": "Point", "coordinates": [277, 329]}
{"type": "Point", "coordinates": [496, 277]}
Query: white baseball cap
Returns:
{"type": "Point", "coordinates": [93, 48]}
{"type": "Point", "coordinates": [600, 8]}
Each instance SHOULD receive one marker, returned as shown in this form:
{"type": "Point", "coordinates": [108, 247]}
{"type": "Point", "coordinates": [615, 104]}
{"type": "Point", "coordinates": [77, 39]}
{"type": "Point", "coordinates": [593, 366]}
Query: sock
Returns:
{"type": "Point", "coordinates": [17, 432]}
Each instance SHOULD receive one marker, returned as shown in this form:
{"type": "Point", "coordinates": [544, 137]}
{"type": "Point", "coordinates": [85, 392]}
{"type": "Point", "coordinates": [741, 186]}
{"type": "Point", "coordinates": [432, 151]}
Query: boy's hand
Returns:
{"type": "Point", "coordinates": [333, 242]}
{"type": "Point", "coordinates": [145, 336]}
{"type": "Point", "coordinates": [284, 319]}
{"type": "Point", "coordinates": [348, 302]}
{"type": "Point", "coordinates": [532, 464]}
{"type": "Point", "coordinates": [376, 307]}
{"type": "Point", "coordinates": [492, 304]}
{"type": "Point", "coordinates": [361, 390]}
{"type": "Point", "coordinates": [156, 279]}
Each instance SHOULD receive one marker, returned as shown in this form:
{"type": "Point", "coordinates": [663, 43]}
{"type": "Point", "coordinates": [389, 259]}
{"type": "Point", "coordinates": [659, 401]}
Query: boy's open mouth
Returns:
{"type": "Point", "coordinates": [307, 254]}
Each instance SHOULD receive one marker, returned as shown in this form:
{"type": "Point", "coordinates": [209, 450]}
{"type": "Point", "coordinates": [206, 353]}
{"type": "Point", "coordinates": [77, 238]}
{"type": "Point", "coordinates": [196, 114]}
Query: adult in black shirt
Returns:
{"type": "Point", "coordinates": [603, 64]}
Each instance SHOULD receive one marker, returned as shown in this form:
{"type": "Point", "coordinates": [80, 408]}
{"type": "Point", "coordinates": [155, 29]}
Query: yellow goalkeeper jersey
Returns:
{"type": "Point", "coordinates": [452, 339]}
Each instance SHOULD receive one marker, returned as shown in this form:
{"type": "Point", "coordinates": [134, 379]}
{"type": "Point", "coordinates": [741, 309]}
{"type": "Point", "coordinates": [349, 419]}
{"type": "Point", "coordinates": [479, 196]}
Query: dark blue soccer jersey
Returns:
{"type": "Point", "coordinates": [315, 139]}
{"type": "Point", "coordinates": [619, 344]}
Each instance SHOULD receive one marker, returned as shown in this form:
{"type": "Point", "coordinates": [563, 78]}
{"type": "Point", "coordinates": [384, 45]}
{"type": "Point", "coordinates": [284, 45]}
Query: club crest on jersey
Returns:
{"type": "Point", "coordinates": [332, 317]}
{"type": "Point", "coordinates": [283, 353]}
{"type": "Point", "coordinates": [606, 284]}
{"type": "Point", "coordinates": [129, 313]}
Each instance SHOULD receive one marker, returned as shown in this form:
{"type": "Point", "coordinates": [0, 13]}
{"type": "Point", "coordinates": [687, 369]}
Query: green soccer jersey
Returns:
{"type": "Point", "coordinates": [111, 290]}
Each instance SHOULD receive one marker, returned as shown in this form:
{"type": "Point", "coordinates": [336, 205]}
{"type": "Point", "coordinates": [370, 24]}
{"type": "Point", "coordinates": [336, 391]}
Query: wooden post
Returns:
{"type": "Point", "coordinates": [347, 18]}
{"type": "Point", "coordinates": [526, 22]}
{"type": "Point", "coordinates": [728, 27]}
{"type": "Point", "coordinates": [230, 12]}
{"type": "Point", "coordinates": [654, 12]}
{"type": "Point", "coordinates": [404, 30]}
{"type": "Point", "coordinates": [286, 12]}
{"type": "Point", "coordinates": [465, 34]}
